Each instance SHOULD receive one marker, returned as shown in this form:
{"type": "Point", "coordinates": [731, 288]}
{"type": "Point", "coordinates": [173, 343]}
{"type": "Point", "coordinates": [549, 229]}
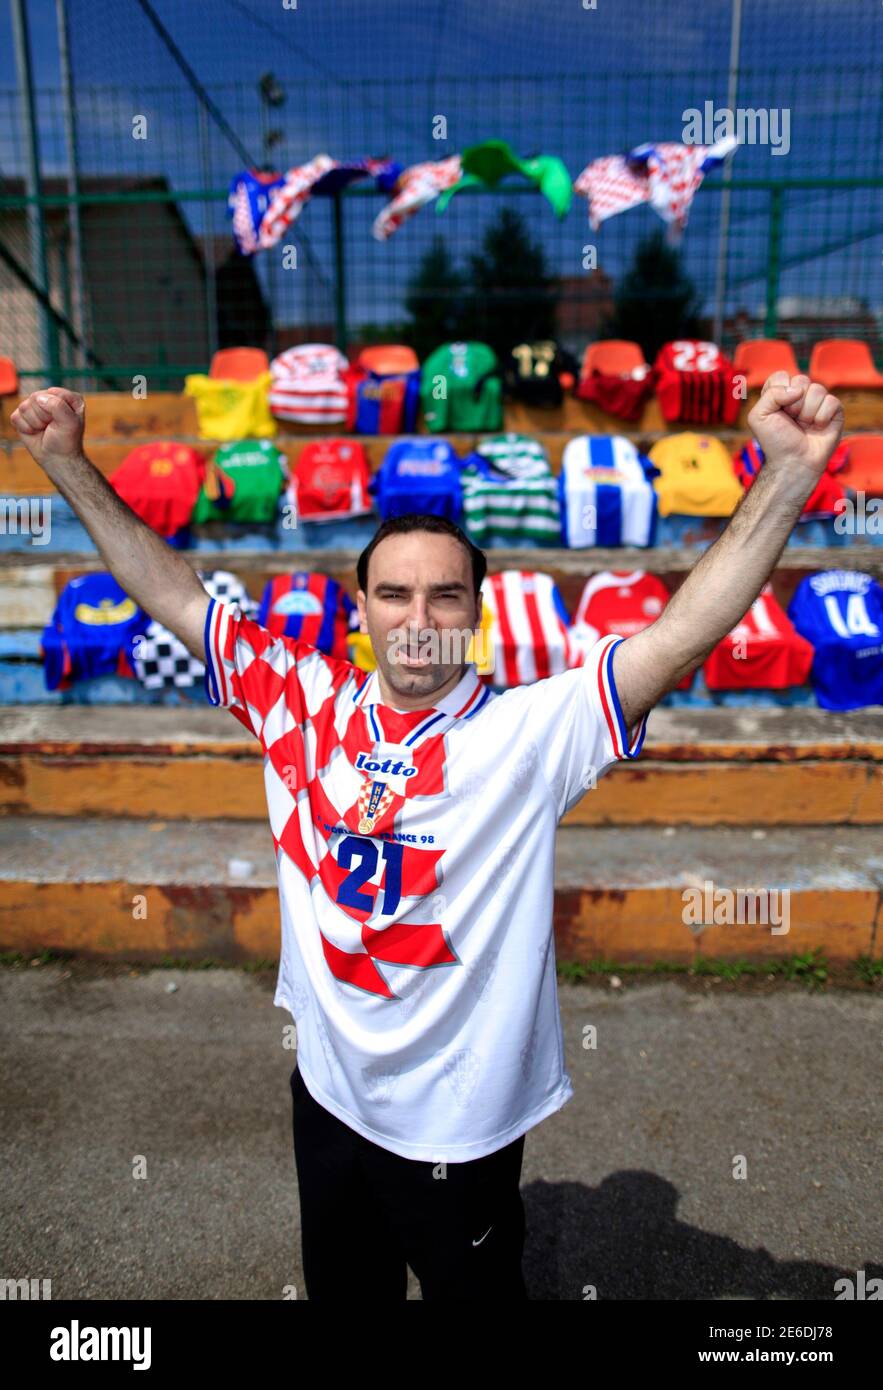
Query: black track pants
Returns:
{"type": "Point", "coordinates": [367, 1213]}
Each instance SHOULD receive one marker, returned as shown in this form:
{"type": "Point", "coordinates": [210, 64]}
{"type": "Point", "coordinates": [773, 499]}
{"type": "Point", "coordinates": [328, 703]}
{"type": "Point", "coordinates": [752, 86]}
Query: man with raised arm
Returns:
{"type": "Point", "coordinates": [413, 814]}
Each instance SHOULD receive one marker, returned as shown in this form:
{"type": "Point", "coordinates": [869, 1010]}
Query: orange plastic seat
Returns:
{"type": "Point", "coordinates": [615, 356]}
{"type": "Point", "coordinates": [758, 358]}
{"type": "Point", "coordinates": [8, 377]}
{"type": "Point", "coordinates": [239, 364]}
{"type": "Point", "coordinates": [864, 470]}
{"type": "Point", "coordinates": [844, 363]}
{"type": "Point", "coordinates": [389, 359]}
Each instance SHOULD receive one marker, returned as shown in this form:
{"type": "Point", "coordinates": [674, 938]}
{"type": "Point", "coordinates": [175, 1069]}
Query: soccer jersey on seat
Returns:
{"type": "Point", "coordinates": [309, 385]}
{"type": "Point", "coordinates": [606, 494]}
{"type": "Point", "coordinates": [461, 389]}
{"type": "Point", "coordinates": [696, 476]}
{"type": "Point", "coordinates": [160, 481]}
{"type": "Point", "coordinates": [762, 652]}
{"type": "Point", "coordinates": [161, 660]}
{"type": "Point", "coordinates": [330, 481]}
{"type": "Point", "coordinates": [826, 497]}
{"type": "Point", "coordinates": [257, 472]}
{"type": "Point", "coordinates": [527, 628]}
{"type": "Point", "coordinates": [419, 475]}
{"type": "Point", "coordinates": [309, 607]}
{"type": "Point", "coordinates": [695, 382]}
{"type": "Point", "coordinates": [841, 613]}
{"type": "Point", "coordinates": [619, 601]}
{"type": "Point", "coordinates": [92, 632]}
{"type": "Point", "coordinates": [510, 494]}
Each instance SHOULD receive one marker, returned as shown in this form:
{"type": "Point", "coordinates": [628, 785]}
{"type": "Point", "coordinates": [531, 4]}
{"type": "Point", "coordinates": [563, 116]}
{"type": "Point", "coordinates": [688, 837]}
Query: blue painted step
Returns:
{"type": "Point", "coordinates": [57, 528]}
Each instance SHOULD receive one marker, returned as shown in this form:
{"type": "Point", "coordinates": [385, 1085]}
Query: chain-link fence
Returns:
{"type": "Point", "coordinates": [142, 275]}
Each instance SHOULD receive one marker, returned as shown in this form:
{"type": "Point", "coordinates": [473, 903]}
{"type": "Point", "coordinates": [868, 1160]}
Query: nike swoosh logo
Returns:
{"type": "Point", "coordinates": [487, 1233]}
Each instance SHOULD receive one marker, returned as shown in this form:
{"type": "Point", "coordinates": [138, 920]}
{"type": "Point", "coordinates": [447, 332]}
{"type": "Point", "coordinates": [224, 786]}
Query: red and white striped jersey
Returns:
{"type": "Point", "coordinates": [309, 385]}
{"type": "Point", "coordinates": [415, 862]}
{"type": "Point", "coordinates": [528, 628]}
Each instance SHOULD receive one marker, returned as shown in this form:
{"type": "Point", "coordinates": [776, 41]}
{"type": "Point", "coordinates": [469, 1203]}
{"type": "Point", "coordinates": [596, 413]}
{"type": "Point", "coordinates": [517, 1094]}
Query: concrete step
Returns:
{"type": "Point", "coordinates": [699, 767]}
{"type": "Point", "coordinates": [143, 889]}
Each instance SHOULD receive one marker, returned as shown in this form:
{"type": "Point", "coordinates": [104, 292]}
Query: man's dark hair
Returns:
{"type": "Point", "coordinates": [422, 521]}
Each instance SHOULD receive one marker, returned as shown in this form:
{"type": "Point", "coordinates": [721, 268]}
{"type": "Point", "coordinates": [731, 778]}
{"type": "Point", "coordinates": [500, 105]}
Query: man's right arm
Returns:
{"type": "Point", "coordinates": [51, 425]}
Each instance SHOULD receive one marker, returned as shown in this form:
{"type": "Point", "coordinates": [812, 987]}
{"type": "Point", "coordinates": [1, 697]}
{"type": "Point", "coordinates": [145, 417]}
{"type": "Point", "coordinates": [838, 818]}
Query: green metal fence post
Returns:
{"type": "Point", "coordinates": [774, 259]}
{"type": "Point", "coordinates": [35, 212]}
{"type": "Point", "coordinates": [339, 276]}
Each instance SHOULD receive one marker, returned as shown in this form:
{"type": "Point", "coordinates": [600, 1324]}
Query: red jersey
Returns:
{"type": "Point", "coordinates": [330, 481]}
{"type": "Point", "coordinates": [826, 497]}
{"type": "Point", "coordinates": [694, 381]}
{"type": "Point", "coordinates": [619, 601]}
{"type": "Point", "coordinates": [161, 483]}
{"type": "Point", "coordinates": [763, 652]}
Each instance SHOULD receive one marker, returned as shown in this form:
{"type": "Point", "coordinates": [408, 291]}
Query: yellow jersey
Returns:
{"type": "Point", "coordinates": [696, 476]}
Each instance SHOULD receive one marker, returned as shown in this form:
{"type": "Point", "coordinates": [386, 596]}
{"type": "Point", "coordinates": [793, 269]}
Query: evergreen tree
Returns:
{"type": "Point", "coordinates": [435, 301]}
{"type": "Point", "coordinates": [512, 296]}
{"type": "Point", "coordinates": [655, 300]}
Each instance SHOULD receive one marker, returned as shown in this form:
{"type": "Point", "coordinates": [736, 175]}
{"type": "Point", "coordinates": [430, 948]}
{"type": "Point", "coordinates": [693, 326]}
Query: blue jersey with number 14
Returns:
{"type": "Point", "coordinates": [841, 614]}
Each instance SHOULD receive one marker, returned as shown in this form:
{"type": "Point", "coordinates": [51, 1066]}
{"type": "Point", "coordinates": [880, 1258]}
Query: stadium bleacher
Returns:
{"type": "Point", "coordinates": [758, 761]}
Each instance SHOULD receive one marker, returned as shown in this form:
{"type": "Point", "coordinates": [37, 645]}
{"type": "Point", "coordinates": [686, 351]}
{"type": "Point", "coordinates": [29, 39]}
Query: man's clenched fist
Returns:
{"type": "Point", "coordinates": [796, 423]}
{"type": "Point", "coordinates": [51, 423]}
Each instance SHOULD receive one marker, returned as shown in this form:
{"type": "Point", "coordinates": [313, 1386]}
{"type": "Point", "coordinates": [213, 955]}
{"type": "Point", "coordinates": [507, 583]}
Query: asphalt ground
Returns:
{"type": "Point", "coordinates": [628, 1189]}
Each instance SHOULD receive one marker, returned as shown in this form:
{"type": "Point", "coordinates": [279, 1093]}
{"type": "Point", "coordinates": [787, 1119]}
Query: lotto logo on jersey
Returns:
{"type": "Point", "coordinates": [387, 773]}
{"type": "Point", "coordinates": [385, 767]}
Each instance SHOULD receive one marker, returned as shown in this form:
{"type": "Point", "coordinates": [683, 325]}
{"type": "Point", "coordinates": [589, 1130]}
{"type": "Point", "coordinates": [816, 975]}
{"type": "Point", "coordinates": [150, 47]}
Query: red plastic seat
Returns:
{"type": "Point", "coordinates": [389, 359]}
{"type": "Point", "coordinates": [758, 358]}
{"type": "Point", "coordinates": [844, 363]}
{"type": "Point", "coordinates": [615, 356]}
{"type": "Point", "coordinates": [8, 377]}
{"type": "Point", "coordinates": [239, 364]}
{"type": "Point", "coordinates": [864, 470]}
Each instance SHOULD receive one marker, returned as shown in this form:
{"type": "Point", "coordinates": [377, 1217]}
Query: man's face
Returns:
{"type": "Point", "coordinates": [419, 611]}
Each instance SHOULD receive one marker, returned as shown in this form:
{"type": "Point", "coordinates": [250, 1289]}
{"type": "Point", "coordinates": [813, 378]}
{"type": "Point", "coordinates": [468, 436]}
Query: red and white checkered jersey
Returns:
{"type": "Point", "coordinates": [415, 188]}
{"type": "Point", "coordinates": [415, 862]}
{"type": "Point", "coordinates": [666, 175]}
{"type": "Point", "coordinates": [287, 202]}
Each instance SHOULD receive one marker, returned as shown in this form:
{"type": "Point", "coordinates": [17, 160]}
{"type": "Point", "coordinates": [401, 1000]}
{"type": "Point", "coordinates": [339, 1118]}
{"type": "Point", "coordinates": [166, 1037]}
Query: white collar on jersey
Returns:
{"type": "Point", "coordinates": [454, 702]}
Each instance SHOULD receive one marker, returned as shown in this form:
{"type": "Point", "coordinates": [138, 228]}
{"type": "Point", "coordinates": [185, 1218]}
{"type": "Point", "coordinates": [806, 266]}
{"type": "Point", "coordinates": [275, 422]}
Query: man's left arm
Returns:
{"type": "Point", "coordinates": [797, 424]}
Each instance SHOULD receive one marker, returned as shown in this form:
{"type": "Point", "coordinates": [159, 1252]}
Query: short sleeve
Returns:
{"type": "Point", "coordinates": [246, 668]}
{"type": "Point", "coordinates": [271, 684]}
{"type": "Point", "coordinates": [577, 724]}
